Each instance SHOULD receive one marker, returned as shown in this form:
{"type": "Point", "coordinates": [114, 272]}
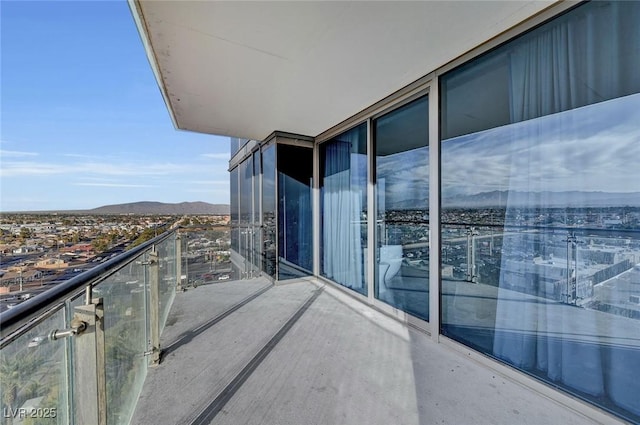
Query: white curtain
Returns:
{"type": "Point", "coordinates": [573, 63]}
{"type": "Point", "coordinates": [534, 330]}
{"type": "Point", "coordinates": [589, 58]}
{"type": "Point", "coordinates": [342, 245]}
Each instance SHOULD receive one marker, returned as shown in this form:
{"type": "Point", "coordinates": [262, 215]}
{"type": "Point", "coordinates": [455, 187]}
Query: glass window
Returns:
{"type": "Point", "coordinates": [585, 56]}
{"type": "Point", "coordinates": [269, 210]}
{"type": "Point", "coordinates": [402, 198]}
{"type": "Point", "coordinates": [257, 170]}
{"type": "Point", "coordinates": [295, 229]}
{"type": "Point", "coordinates": [540, 198]}
{"type": "Point", "coordinates": [234, 209]}
{"type": "Point", "coordinates": [236, 144]}
{"type": "Point", "coordinates": [246, 207]}
{"type": "Point", "coordinates": [343, 198]}
{"type": "Point", "coordinates": [256, 244]}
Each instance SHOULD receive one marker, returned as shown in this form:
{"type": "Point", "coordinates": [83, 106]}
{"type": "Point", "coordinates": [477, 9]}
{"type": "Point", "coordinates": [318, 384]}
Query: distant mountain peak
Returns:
{"type": "Point", "coordinates": [572, 198]}
{"type": "Point", "coordinates": [153, 207]}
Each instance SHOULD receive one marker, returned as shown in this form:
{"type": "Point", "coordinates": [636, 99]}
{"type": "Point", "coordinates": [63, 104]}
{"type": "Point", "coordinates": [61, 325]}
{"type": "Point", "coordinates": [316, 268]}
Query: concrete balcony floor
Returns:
{"type": "Point", "coordinates": [248, 352]}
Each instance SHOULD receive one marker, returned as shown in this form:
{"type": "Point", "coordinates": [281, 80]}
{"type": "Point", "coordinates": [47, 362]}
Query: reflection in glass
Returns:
{"type": "Point", "coordinates": [586, 56]}
{"type": "Point", "coordinates": [256, 244]}
{"type": "Point", "coordinates": [541, 204]}
{"type": "Point", "coordinates": [246, 231]}
{"type": "Point", "coordinates": [269, 210]}
{"type": "Point", "coordinates": [402, 224]}
{"type": "Point", "coordinates": [295, 245]}
{"type": "Point", "coordinates": [234, 210]}
{"type": "Point", "coordinates": [236, 144]}
{"type": "Point", "coordinates": [246, 209]}
{"type": "Point", "coordinates": [343, 198]}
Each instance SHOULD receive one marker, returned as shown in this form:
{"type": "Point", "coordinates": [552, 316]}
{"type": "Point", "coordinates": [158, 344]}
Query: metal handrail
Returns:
{"type": "Point", "coordinates": [540, 227]}
{"type": "Point", "coordinates": [10, 320]}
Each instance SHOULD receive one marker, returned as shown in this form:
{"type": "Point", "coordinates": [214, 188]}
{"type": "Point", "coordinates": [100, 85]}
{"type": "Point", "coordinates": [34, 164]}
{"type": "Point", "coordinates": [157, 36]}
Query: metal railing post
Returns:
{"type": "Point", "coordinates": [154, 313]}
{"type": "Point", "coordinates": [179, 287]}
{"type": "Point", "coordinates": [90, 370]}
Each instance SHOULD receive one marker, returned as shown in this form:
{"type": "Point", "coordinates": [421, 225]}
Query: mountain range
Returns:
{"type": "Point", "coordinates": [514, 198]}
{"type": "Point", "coordinates": [502, 198]}
{"type": "Point", "coordinates": [146, 207]}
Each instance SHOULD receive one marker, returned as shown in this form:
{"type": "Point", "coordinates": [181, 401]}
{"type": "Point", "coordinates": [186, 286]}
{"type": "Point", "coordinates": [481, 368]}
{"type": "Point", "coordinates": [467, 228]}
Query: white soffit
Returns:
{"type": "Point", "coordinates": [246, 69]}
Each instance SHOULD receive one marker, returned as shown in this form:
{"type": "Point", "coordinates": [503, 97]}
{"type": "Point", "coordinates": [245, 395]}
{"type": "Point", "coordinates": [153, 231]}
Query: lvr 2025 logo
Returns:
{"type": "Point", "coordinates": [29, 412]}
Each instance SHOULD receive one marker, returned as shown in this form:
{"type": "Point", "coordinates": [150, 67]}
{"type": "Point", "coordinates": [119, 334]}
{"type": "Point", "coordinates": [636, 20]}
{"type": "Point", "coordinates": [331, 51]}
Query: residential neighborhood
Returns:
{"type": "Point", "coordinates": [40, 250]}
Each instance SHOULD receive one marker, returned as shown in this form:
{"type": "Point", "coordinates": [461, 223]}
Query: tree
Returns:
{"type": "Point", "coordinates": [25, 233]}
{"type": "Point", "coordinates": [147, 234]}
{"type": "Point", "coordinates": [113, 236]}
{"type": "Point", "coordinates": [100, 244]}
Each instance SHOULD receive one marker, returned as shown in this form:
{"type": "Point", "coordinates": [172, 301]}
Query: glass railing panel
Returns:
{"type": "Point", "coordinates": [167, 270]}
{"type": "Point", "coordinates": [48, 377]}
{"type": "Point", "coordinates": [126, 328]}
{"type": "Point", "coordinates": [206, 256]}
{"type": "Point", "coordinates": [33, 376]}
{"type": "Point", "coordinates": [75, 383]}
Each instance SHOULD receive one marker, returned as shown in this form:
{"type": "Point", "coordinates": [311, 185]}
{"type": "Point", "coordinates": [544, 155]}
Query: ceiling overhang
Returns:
{"type": "Point", "coordinates": [246, 69]}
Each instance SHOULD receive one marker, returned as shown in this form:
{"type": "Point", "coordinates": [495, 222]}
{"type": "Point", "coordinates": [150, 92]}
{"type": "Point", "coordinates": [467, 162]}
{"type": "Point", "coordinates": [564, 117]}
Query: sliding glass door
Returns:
{"type": "Point", "coordinates": [343, 199]}
{"type": "Point", "coordinates": [401, 140]}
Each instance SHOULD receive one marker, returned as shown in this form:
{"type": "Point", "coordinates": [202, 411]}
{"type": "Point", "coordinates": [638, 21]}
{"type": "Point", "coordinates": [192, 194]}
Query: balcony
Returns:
{"type": "Point", "coordinates": [119, 345]}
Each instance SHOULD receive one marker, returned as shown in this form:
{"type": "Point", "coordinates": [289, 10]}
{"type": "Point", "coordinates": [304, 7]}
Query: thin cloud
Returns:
{"type": "Point", "coordinates": [132, 169]}
{"type": "Point", "coordinates": [225, 156]}
{"type": "Point", "coordinates": [16, 154]}
{"type": "Point", "coordinates": [79, 155]}
{"type": "Point", "coordinates": [575, 150]}
{"type": "Point", "coordinates": [28, 168]}
{"type": "Point", "coordinates": [210, 182]}
{"type": "Point", "coordinates": [121, 185]}
{"type": "Point", "coordinates": [100, 179]}
{"type": "Point", "coordinates": [32, 168]}
{"type": "Point", "coordinates": [210, 191]}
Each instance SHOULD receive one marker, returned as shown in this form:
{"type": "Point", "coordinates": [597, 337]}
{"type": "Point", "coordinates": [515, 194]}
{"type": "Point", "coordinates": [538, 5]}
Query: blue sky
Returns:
{"type": "Point", "coordinates": [82, 121]}
{"type": "Point", "coordinates": [592, 148]}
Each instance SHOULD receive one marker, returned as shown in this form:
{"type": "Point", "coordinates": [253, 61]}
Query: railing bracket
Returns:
{"type": "Point", "coordinates": [149, 353]}
{"type": "Point", "coordinates": [77, 327]}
